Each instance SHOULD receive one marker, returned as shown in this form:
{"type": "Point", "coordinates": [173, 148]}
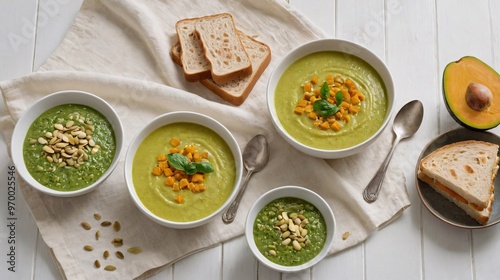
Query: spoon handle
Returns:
{"type": "Point", "coordinates": [230, 213]}
{"type": "Point", "coordinates": [370, 194]}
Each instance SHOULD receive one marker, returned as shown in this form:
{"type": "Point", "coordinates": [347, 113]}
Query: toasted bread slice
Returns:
{"type": "Point", "coordinates": [195, 65]}
{"type": "Point", "coordinates": [222, 47]}
{"type": "Point", "coordinates": [237, 91]}
{"type": "Point", "coordinates": [481, 216]}
{"type": "Point", "coordinates": [464, 173]}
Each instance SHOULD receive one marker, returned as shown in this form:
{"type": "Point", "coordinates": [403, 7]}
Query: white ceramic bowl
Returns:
{"type": "Point", "coordinates": [297, 192]}
{"type": "Point", "coordinates": [184, 117]}
{"type": "Point", "coordinates": [348, 48]}
{"type": "Point", "coordinates": [48, 102]}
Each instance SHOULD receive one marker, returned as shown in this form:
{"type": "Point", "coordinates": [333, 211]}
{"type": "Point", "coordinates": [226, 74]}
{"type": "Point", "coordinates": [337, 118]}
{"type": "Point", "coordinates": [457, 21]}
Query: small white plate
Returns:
{"type": "Point", "coordinates": [438, 205]}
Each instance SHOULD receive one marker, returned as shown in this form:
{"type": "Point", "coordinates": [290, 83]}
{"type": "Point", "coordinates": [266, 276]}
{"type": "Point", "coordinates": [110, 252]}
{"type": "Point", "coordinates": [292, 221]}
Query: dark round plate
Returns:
{"type": "Point", "coordinates": [438, 205]}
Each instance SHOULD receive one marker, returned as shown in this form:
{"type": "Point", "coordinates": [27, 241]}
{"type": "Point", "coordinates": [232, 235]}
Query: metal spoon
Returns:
{"type": "Point", "coordinates": [255, 157]}
{"type": "Point", "coordinates": [406, 123]}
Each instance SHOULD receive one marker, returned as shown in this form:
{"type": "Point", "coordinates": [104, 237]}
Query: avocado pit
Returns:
{"type": "Point", "coordinates": [478, 96]}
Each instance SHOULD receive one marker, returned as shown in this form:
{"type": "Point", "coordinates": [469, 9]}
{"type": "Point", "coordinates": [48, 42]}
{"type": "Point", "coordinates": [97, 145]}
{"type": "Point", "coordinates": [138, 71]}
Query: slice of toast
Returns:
{"type": "Point", "coordinates": [464, 172]}
{"type": "Point", "coordinates": [222, 47]}
{"type": "Point", "coordinates": [237, 91]}
{"type": "Point", "coordinates": [195, 65]}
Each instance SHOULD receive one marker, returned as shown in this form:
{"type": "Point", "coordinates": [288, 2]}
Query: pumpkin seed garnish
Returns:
{"type": "Point", "coordinates": [97, 235]}
{"type": "Point", "coordinates": [106, 223]}
{"type": "Point", "coordinates": [119, 255]}
{"type": "Point", "coordinates": [88, 248]}
{"type": "Point", "coordinates": [117, 226]}
{"type": "Point", "coordinates": [68, 141]}
{"type": "Point", "coordinates": [110, 267]}
{"type": "Point", "coordinates": [97, 264]}
{"type": "Point", "coordinates": [345, 235]}
{"type": "Point", "coordinates": [117, 242]}
{"type": "Point", "coordinates": [105, 255]}
{"type": "Point", "coordinates": [134, 250]}
{"type": "Point", "coordinates": [97, 216]}
{"type": "Point", "coordinates": [86, 225]}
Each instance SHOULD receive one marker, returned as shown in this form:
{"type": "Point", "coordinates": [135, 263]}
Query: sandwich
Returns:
{"type": "Point", "coordinates": [464, 173]}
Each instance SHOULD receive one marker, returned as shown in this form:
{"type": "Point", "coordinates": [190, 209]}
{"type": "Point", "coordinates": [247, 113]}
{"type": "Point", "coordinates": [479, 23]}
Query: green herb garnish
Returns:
{"type": "Point", "coordinates": [181, 162]}
{"type": "Point", "coordinates": [324, 91]}
{"type": "Point", "coordinates": [325, 109]}
{"type": "Point", "coordinates": [339, 97]}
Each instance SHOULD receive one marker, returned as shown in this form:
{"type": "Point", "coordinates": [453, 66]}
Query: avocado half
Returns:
{"type": "Point", "coordinates": [456, 78]}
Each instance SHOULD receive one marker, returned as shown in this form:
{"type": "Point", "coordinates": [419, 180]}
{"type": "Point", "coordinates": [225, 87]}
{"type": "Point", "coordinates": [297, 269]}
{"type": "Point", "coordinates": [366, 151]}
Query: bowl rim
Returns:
{"type": "Point", "coordinates": [45, 103]}
{"type": "Point", "coordinates": [176, 117]}
{"type": "Point", "coordinates": [296, 192]}
{"type": "Point", "coordinates": [340, 45]}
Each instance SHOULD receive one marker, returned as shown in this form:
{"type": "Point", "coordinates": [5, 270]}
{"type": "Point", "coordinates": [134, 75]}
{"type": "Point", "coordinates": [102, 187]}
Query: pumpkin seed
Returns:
{"type": "Point", "coordinates": [97, 216]}
{"type": "Point", "coordinates": [296, 245]}
{"type": "Point", "coordinates": [110, 267]}
{"type": "Point", "coordinates": [117, 242]}
{"type": "Point", "coordinates": [97, 235]}
{"type": "Point", "coordinates": [88, 248]}
{"type": "Point", "coordinates": [134, 250]}
{"type": "Point", "coordinates": [345, 235]}
{"type": "Point", "coordinates": [86, 225]}
{"type": "Point", "coordinates": [106, 223]}
{"type": "Point", "coordinates": [105, 255]}
{"type": "Point", "coordinates": [48, 149]}
{"type": "Point", "coordinates": [97, 264]}
{"type": "Point", "coordinates": [119, 255]}
{"type": "Point", "coordinates": [117, 226]}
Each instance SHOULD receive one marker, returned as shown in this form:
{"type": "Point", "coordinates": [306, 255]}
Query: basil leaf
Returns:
{"type": "Point", "coordinates": [324, 109]}
{"type": "Point", "coordinates": [204, 167]}
{"type": "Point", "coordinates": [190, 168]}
{"type": "Point", "coordinates": [178, 161]}
{"type": "Point", "coordinates": [324, 92]}
{"type": "Point", "coordinates": [339, 97]}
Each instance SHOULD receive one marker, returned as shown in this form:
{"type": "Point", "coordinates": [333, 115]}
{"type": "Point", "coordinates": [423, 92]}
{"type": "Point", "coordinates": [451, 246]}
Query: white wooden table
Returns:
{"type": "Point", "coordinates": [415, 38]}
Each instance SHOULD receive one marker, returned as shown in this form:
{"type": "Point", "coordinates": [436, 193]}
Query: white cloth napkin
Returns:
{"type": "Point", "coordinates": [119, 50]}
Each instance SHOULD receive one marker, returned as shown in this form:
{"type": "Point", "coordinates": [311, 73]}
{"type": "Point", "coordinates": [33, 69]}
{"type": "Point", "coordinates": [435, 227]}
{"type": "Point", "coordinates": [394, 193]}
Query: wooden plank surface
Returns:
{"type": "Point", "coordinates": [416, 39]}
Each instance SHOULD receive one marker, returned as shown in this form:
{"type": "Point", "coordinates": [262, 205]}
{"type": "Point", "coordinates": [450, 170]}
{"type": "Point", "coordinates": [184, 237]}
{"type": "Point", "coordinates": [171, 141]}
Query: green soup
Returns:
{"type": "Point", "coordinates": [161, 199]}
{"type": "Point", "coordinates": [268, 234]}
{"type": "Point", "coordinates": [362, 124]}
{"type": "Point", "coordinates": [55, 170]}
